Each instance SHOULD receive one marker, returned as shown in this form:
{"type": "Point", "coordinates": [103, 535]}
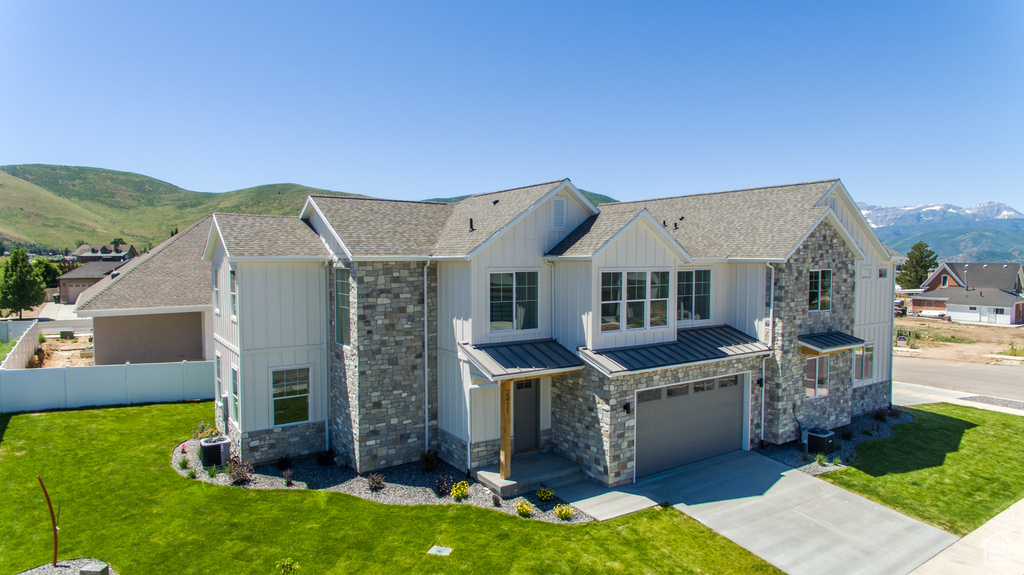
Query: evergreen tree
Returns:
{"type": "Point", "coordinates": [21, 287]}
{"type": "Point", "coordinates": [48, 272]}
{"type": "Point", "coordinates": [920, 262]}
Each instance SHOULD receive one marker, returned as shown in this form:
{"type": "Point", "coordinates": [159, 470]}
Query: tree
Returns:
{"type": "Point", "coordinates": [48, 272]}
{"type": "Point", "coordinates": [21, 287]}
{"type": "Point", "coordinates": [920, 262]}
{"type": "Point", "coordinates": [117, 240]}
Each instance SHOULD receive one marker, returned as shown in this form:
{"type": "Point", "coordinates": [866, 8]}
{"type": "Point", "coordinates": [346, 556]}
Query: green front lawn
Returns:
{"type": "Point", "coordinates": [954, 467]}
{"type": "Point", "coordinates": [120, 501]}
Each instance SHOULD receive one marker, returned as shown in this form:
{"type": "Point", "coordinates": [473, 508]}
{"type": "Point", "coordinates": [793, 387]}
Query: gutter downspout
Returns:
{"type": "Point", "coordinates": [771, 341]}
{"type": "Point", "coordinates": [426, 363]}
{"type": "Point", "coordinates": [327, 356]}
{"type": "Point", "coordinates": [892, 329]}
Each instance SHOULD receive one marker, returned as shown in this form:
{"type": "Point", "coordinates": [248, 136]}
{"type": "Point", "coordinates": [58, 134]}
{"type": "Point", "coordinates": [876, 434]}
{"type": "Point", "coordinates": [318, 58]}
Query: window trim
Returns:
{"type": "Point", "coordinates": [883, 272]}
{"type": "Point", "coordinates": [944, 281]}
{"type": "Point", "coordinates": [830, 281]}
{"type": "Point", "coordinates": [693, 294]}
{"type": "Point", "coordinates": [865, 350]}
{"type": "Point", "coordinates": [817, 377]}
{"type": "Point", "coordinates": [624, 300]}
{"type": "Point", "coordinates": [217, 380]}
{"type": "Point", "coordinates": [236, 396]}
{"type": "Point", "coordinates": [347, 334]}
{"type": "Point", "coordinates": [308, 395]}
{"type": "Point", "coordinates": [513, 271]}
{"type": "Point", "coordinates": [216, 291]}
{"type": "Point", "coordinates": [233, 290]}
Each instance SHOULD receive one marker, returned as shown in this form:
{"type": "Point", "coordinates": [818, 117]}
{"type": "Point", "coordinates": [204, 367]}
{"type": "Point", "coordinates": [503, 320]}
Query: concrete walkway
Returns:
{"type": "Point", "coordinates": [995, 548]}
{"type": "Point", "coordinates": [57, 311]}
{"type": "Point", "coordinates": [909, 394]}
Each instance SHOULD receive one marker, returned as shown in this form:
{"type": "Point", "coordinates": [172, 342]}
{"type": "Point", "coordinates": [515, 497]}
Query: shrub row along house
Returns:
{"type": "Point", "coordinates": [627, 337]}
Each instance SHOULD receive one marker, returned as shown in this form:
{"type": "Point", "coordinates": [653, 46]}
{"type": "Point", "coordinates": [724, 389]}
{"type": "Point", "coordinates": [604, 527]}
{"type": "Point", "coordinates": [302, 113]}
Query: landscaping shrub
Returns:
{"type": "Point", "coordinates": [183, 463]}
{"type": "Point", "coordinates": [819, 458]}
{"type": "Point", "coordinates": [375, 481]}
{"type": "Point", "coordinates": [495, 500]}
{"type": "Point", "coordinates": [545, 494]}
{"type": "Point", "coordinates": [564, 511]}
{"type": "Point", "coordinates": [428, 461]}
{"type": "Point", "coordinates": [460, 490]}
{"type": "Point", "coordinates": [212, 472]}
{"type": "Point", "coordinates": [523, 508]}
{"type": "Point", "coordinates": [203, 429]}
{"type": "Point", "coordinates": [287, 474]}
{"type": "Point", "coordinates": [443, 485]}
{"type": "Point", "coordinates": [284, 463]}
{"type": "Point", "coordinates": [836, 460]}
{"type": "Point", "coordinates": [895, 412]}
{"type": "Point", "coordinates": [191, 474]}
{"type": "Point", "coordinates": [239, 472]}
{"type": "Point", "coordinates": [847, 434]}
{"type": "Point", "coordinates": [287, 566]}
{"type": "Point", "coordinates": [42, 339]}
{"type": "Point", "coordinates": [880, 415]}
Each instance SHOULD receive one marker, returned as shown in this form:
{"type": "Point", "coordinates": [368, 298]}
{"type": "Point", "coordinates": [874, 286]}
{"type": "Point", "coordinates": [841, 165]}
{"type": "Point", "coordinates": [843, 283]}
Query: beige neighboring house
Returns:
{"type": "Point", "coordinates": [156, 307]}
{"type": "Point", "coordinates": [76, 281]}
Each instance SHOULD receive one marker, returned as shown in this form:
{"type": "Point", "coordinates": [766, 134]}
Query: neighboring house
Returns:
{"type": "Point", "coordinates": [155, 308]}
{"type": "Point", "coordinates": [629, 338]}
{"type": "Point", "coordinates": [76, 281]}
{"type": "Point", "coordinates": [104, 253]}
{"type": "Point", "coordinates": [974, 292]}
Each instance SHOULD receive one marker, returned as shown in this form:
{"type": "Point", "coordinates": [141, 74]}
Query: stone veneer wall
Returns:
{"type": "Point", "coordinates": [589, 423]}
{"type": "Point", "coordinates": [285, 441]}
{"type": "Point", "coordinates": [451, 449]}
{"type": "Point", "coordinates": [377, 383]}
{"type": "Point", "coordinates": [823, 249]}
{"type": "Point", "coordinates": [871, 397]}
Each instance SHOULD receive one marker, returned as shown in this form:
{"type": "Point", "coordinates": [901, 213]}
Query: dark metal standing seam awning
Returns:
{"type": "Point", "coordinates": [829, 342]}
{"type": "Point", "coordinates": [693, 345]}
{"type": "Point", "coordinates": [520, 360]}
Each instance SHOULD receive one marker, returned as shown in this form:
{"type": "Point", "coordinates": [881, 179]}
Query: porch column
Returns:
{"type": "Point", "coordinates": [506, 429]}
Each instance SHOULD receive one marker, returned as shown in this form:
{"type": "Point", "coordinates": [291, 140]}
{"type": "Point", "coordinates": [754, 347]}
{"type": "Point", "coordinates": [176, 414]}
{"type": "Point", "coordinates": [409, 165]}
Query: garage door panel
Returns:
{"type": "Point", "coordinates": [676, 430]}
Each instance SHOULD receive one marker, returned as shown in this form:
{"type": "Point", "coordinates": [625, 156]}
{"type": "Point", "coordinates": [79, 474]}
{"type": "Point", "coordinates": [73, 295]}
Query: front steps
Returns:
{"type": "Point", "coordinates": [530, 471]}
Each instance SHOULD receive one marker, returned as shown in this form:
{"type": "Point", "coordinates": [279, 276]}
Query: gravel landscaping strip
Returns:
{"type": "Point", "coordinates": [66, 567]}
{"type": "Point", "coordinates": [862, 428]}
{"type": "Point", "coordinates": [995, 401]}
{"type": "Point", "coordinates": [404, 484]}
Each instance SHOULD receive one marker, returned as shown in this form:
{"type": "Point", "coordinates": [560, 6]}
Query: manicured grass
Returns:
{"type": "Point", "coordinates": [120, 501]}
{"type": "Point", "coordinates": [5, 348]}
{"type": "Point", "coordinates": [954, 467]}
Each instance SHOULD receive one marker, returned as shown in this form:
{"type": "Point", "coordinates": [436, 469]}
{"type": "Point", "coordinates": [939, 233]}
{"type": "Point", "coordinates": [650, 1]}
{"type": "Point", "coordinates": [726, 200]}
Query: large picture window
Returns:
{"type": "Point", "coordinates": [291, 395]}
{"type": "Point", "coordinates": [694, 295]}
{"type": "Point", "coordinates": [864, 362]}
{"type": "Point", "coordinates": [816, 376]}
{"type": "Point", "coordinates": [342, 331]}
{"type": "Point", "coordinates": [820, 290]}
{"type": "Point", "coordinates": [514, 301]}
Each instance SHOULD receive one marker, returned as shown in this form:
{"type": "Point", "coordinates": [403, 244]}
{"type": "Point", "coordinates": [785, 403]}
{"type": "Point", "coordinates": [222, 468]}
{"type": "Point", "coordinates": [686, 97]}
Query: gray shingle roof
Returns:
{"type": "Point", "coordinates": [173, 274]}
{"type": "Point", "coordinates": [91, 270]}
{"type": "Point", "coordinates": [991, 275]}
{"type": "Point", "coordinates": [760, 223]}
{"type": "Point", "coordinates": [248, 236]}
{"type": "Point", "coordinates": [371, 227]}
{"type": "Point", "coordinates": [978, 296]}
{"type": "Point", "coordinates": [521, 359]}
{"type": "Point", "coordinates": [692, 345]}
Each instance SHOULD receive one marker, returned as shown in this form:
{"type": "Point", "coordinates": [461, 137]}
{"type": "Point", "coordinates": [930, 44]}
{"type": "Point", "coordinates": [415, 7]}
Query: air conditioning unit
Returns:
{"type": "Point", "coordinates": [215, 450]}
{"type": "Point", "coordinates": [818, 440]}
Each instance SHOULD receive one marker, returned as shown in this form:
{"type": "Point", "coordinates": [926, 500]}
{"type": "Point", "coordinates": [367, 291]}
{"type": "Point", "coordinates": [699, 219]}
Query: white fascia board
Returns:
{"type": "Point", "coordinates": [311, 205]}
{"type": "Point", "coordinates": [553, 259]}
{"type": "Point", "coordinates": [538, 373]}
{"type": "Point", "coordinates": [840, 191]}
{"type": "Point", "coordinates": [564, 184]}
{"type": "Point", "coordinates": [583, 199]}
{"type": "Point", "coordinates": [449, 258]}
{"type": "Point", "coordinates": [858, 254]}
{"type": "Point", "coordinates": [278, 259]}
{"type": "Point", "coordinates": [644, 215]}
{"type": "Point", "coordinates": [144, 311]}
{"type": "Point", "coordinates": [211, 244]}
{"type": "Point", "coordinates": [391, 258]}
{"type": "Point", "coordinates": [939, 270]}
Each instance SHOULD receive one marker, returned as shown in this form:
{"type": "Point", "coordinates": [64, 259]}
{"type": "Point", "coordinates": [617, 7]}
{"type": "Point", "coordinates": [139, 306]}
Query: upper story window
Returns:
{"type": "Point", "coordinates": [514, 301]}
{"type": "Point", "coordinates": [643, 303]}
{"type": "Point", "coordinates": [816, 376]}
{"type": "Point", "coordinates": [216, 291]}
{"type": "Point", "coordinates": [342, 331]}
{"type": "Point", "coordinates": [864, 362]}
{"type": "Point", "coordinates": [694, 295]}
{"type": "Point", "coordinates": [234, 294]}
{"type": "Point", "coordinates": [820, 290]}
{"type": "Point", "coordinates": [558, 213]}
{"type": "Point", "coordinates": [883, 272]}
{"type": "Point", "coordinates": [945, 280]}
{"type": "Point", "coordinates": [291, 395]}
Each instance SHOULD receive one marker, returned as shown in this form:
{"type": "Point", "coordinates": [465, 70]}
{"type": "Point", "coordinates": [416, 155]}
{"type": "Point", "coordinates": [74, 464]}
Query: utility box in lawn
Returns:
{"type": "Point", "coordinates": [819, 440]}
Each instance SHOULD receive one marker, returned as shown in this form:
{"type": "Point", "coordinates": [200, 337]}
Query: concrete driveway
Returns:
{"type": "Point", "coordinates": [799, 523]}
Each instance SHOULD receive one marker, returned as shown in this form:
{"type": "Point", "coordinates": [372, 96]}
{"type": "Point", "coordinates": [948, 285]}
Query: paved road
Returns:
{"type": "Point", "coordinates": [55, 326]}
{"type": "Point", "coordinates": [980, 379]}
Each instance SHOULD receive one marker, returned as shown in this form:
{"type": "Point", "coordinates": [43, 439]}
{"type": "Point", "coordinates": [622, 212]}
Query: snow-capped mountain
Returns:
{"type": "Point", "coordinates": [947, 216]}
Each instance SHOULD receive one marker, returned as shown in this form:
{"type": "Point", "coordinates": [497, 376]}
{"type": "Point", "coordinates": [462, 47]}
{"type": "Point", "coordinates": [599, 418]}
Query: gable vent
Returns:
{"type": "Point", "coordinates": [832, 203]}
{"type": "Point", "coordinates": [558, 213]}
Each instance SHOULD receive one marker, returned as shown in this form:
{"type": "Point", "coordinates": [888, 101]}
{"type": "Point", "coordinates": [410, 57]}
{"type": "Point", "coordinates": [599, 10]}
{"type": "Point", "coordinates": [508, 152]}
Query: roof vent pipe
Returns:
{"type": "Point", "coordinates": [471, 225]}
{"type": "Point", "coordinates": [664, 224]}
{"type": "Point", "coordinates": [677, 225]}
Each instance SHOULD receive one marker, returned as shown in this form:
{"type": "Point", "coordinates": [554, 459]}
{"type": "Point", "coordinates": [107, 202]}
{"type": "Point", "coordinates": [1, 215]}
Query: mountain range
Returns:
{"type": "Point", "coordinates": [987, 232]}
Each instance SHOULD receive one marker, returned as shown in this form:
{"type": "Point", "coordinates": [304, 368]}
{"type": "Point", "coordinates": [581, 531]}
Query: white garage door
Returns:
{"type": "Point", "coordinates": [688, 422]}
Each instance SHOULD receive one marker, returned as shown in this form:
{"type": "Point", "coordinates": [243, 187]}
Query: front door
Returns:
{"type": "Point", "coordinates": [984, 314]}
{"type": "Point", "coordinates": [526, 404]}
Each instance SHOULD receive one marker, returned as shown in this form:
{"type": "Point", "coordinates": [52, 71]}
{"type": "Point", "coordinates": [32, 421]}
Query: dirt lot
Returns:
{"type": "Point", "coordinates": [65, 352]}
{"type": "Point", "coordinates": [958, 342]}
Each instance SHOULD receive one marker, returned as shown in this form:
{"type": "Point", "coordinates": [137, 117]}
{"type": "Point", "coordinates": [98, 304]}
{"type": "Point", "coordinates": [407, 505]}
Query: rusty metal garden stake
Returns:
{"type": "Point", "coordinates": [53, 519]}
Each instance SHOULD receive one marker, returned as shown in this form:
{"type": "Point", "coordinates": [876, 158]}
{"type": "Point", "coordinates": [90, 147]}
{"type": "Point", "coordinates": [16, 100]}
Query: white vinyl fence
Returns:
{"type": "Point", "coordinates": [80, 386]}
{"type": "Point", "coordinates": [27, 334]}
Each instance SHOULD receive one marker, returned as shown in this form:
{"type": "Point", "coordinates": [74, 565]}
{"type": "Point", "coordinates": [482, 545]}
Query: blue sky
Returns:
{"type": "Point", "coordinates": [906, 102]}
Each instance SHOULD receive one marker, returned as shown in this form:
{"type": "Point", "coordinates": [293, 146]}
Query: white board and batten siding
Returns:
{"type": "Point", "coordinates": [574, 308]}
{"type": "Point", "coordinates": [454, 313]}
{"type": "Point", "coordinates": [281, 323]}
{"type": "Point", "coordinates": [486, 405]}
{"type": "Point", "coordinates": [743, 306]}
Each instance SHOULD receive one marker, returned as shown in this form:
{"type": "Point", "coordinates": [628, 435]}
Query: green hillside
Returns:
{"type": "Point", "coordinates": [63, 206]}
{"type": "Point", "coordinates": [972, 245]}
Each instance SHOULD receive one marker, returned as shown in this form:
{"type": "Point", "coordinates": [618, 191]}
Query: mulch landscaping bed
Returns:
{"type": "Point", "coordinates": [403, 484]}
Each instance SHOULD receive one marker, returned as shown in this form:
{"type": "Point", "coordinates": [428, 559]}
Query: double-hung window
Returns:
{"type": "Point", "coordinates": [816, 376]}
{"type": "Point", "coordinates": [659, 298]}
{"type": "Point", "coordinates": [514, 301]}
{"type": "Point", "coordinates": [342, 329]}
{"type": "Point", "coordinates": [236, 407]}
{"type": "Point", "coordinates": [216, 376]}
{"type": "Point", "coordinates": [863, 362]}
{"type": "Point", "coordinates": [291, 395]}
{"type": "Point", "coordinates": [819, 296]}
{"type": "Point", "coordinates": [234, 294]}
{"type": "Point", "coordinates": [637, 300]}
{"type": "Point", "coordinates": [611, 301]}
{"type": "Point", "coordinates": [216, 291]}
{"type": "Point", "coordinates": [693, 295]}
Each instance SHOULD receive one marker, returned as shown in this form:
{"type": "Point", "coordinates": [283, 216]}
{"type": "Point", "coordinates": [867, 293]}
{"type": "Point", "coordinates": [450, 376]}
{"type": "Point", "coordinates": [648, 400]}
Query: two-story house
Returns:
{"type": "Point", "coordinates": [974, 292]}
{"type": "Point", "coordinates": [628, 337]}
